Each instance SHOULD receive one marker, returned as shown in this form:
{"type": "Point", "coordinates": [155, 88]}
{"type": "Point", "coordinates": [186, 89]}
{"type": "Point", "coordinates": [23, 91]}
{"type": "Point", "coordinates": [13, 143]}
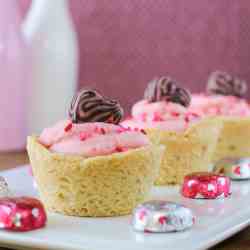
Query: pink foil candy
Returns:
{"type": "Point", "coordinates": [4, 188]}
{"type": "Point", "coordinates": [21, 214]}
{"type": "Point", "coordinates": [206, 185]}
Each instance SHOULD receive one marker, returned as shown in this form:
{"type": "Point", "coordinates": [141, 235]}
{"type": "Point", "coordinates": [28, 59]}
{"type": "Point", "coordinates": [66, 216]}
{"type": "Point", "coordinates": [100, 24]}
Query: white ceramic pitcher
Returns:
{"type": "Point", "coordinates": [49, 30]}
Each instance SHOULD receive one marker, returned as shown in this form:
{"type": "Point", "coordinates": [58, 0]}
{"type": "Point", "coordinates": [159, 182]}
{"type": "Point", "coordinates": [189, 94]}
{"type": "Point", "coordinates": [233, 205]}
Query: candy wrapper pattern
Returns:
{"type": "Point", "coordinates": [161, 216]}
{"type": "Point", "coordinates": [4, 188]}
{"type": "Point", "coordinates": [236, 169]}
{"type": "Point", "coordinates": [21, 214]}
{"type": "Point", "coordinates": [205, 185]}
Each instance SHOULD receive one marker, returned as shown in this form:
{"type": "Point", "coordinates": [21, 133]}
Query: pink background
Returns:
{"type": "Point", "coordinates": [125, 43]}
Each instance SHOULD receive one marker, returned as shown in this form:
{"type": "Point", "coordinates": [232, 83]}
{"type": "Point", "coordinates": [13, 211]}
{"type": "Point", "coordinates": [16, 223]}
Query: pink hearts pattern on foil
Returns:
{"type": "Point", "coordinates": [206, 185]}
{"type": "Point", "coordinates": [21, 214]}
{"type": "Point", "coordinates": [236, 169]}
{"type": "Point", "coordinates": [159, 216]}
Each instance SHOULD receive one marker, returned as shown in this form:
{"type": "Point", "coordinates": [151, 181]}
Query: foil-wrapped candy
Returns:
{"type": "Point", "coordinates": [161, 216]}
{"type": "Point", "coordinates": [21, 214]}
{"type": "Point", "coordinates": [4, 188]}
{"type": "Point", "coordinates": [236, 169]}
{"type": "Point", "coordinates": [206, 185]}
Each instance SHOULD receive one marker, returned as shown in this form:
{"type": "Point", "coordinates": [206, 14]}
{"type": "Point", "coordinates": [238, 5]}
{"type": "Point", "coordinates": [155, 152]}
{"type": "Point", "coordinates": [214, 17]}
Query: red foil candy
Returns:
{"type": "Point", "coordinates": [206, 185]}
{"type": "Point", "coordinates": [21, 214]}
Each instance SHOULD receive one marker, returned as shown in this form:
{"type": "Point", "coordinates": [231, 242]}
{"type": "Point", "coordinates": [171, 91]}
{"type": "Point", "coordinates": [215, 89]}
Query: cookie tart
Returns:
{"type": "Point", "coordinates": [225, 99]}
{"type": "Point", "coordinates": [189, 140]}
{"type": "Point", "coordinates": [89, 165]}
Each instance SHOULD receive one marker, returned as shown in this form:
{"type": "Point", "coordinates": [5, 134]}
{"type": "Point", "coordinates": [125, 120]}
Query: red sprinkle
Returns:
{"type": "Point", "coordinates": [157, 118]}
{"type": "Point", "coordinates": [187, 119]}
{"type": "Point", "coordinates": [121, 129]}
{"type": "Point", "coordinates": [83, 136]}
{"type": "Point", "coordinates": [176, 114]}
{"type": "Point", "coordinates": [68, 127]}
{"type": "Point", "coordinates": [119, 149]}
{"type": "Point", "coordinates": [102, 130]}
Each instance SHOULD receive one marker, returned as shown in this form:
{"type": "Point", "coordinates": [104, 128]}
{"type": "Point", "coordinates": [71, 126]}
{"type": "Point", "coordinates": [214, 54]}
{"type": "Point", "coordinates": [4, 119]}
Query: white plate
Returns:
{"type": "Point", "coordinates": [216, 220]}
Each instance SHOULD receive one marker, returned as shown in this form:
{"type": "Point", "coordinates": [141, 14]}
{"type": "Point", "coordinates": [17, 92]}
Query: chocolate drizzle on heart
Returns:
{"type": "Point", "coordinates": [221, 83]}
{"type": "Point", "coordinates": [89, 106]}
{"type": "Point", "coordinates": [166, 89]}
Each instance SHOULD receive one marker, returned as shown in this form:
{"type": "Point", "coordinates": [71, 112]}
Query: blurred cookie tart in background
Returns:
{"type": "Point", "coordinates": [225, 99]}
{"type": "Point", "coordinates": [88, 165]}
{"type": "Point", "coordinates": [164, 115]}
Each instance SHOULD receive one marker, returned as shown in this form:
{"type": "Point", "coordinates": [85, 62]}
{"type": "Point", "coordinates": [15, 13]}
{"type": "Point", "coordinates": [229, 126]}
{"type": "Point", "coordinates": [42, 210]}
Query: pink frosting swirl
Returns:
{"type": "Point", "coordinates": [219, 105]}
{"type": "Point", "coordinates": [162, 115]}
{"type": "Point", "coordinates": [91, 139]}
